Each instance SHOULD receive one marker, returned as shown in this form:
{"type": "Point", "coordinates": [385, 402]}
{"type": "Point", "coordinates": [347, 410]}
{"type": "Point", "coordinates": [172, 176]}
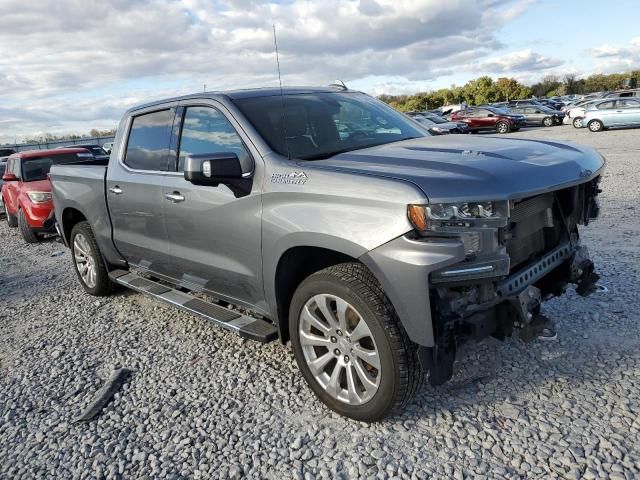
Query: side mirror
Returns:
{"type": "Point", "coordinates": [213, 169]}
{"type": "Point", "coordinates": [9, 177]}
{"type": "Point", "coordinates": [490, 115]}
{"type": "Point", "coordinates": [538, 111]}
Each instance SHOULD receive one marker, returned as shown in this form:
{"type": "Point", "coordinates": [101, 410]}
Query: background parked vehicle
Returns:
{"type": "Point", "coordinates": [438, 125]}
{"type": "Point", "coordinates": [635, 92]}
{"type": "Point", "coordinates": [539, 115]}
{"type": "Point", "coordinates": [26, 189]}
{"type": "Point", "coordinates": [621, 112]}
{"type": "Point", "coordinates": [489, 118]}
{"type": "Point", "coordinates": [97, 151]}
{"type": "Point", "coordinates": [3, 166]}
{"type": "Point", "coordinates": [108, 147]}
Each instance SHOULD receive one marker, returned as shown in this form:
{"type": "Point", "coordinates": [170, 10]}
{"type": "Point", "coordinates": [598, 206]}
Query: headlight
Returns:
{"type": "Point", "coordinates": [463, 211]}
{"type": "Point", "coordinates": [475, 223]}
{"type": "Point", "coordinates": [39, 197]}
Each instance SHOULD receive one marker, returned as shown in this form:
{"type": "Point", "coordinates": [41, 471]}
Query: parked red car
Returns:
{"type": "Point", "coordinates": [489, 118]}
{"type": "Point", "coordinates": [26, 189]}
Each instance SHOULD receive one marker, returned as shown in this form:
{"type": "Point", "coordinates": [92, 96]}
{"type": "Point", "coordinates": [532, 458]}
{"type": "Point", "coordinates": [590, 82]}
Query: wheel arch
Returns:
{"type": "Point", "coordinates": [70, 218]}
{"type": "Point", "coordinates": [294, 265]}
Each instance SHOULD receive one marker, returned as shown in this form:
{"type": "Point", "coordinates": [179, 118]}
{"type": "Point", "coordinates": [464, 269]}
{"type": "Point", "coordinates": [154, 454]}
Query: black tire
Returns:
{"type": "Point", "coordinates": [103, 284]}
{"type": "Point", "coordinates": [547, 122]}
{"type": "Point", "coordinates": [473, 131]}
{"type": "Point", "coordinates": [12, 221]}
{"type": "Point", "coordinates": [595, 126]}
{"type": "Point", "coordinates": [577, 122]}
{"type": "Point", "coordinates": [502, 127]}
{"type": "Point", "coordinates": [400, 372]}
{"type": "Point", "coordinates": [28, 235]}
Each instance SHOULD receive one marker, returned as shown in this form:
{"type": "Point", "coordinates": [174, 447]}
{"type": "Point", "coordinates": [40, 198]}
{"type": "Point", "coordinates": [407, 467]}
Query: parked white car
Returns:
{"type": "Point", "coordinates": [576, 113]}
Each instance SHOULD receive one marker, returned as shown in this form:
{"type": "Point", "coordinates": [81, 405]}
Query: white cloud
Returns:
{"type": "Point", "coordinates": [73, 65]}
{"type": "Point", "coordinates": [617, 58]}
{"type": "Point", "coordinates": [521, 61]}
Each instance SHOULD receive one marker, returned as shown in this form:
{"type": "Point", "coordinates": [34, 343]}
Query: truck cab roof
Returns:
{"type": "Point", "coordinates": [244, 93]}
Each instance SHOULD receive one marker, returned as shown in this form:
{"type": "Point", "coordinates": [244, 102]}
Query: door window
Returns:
{"type": "Point", "coordinates": [605, 105]}
{"type": "Point", "coordinates": [207, 130]}
{"type": "Point", "coordinates": [627, 104]}
{"type": "Point", "coordinates": [148, 145]}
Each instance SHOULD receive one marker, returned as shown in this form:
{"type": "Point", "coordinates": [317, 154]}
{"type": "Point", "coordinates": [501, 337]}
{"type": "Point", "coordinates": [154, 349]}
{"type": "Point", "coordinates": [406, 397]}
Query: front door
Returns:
{"type": "Point", "coordinates": [213, 233]}
{"type": "Point", "coordinates": [627, 111]}
{"type": "Point", "coordinates": [134, 191]}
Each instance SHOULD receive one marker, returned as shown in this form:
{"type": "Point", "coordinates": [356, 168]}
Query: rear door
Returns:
{"type": "Point", "coordinates": [134, 190]}
{"type": "Point", "coordinates": [213, 232]}
{"type": "Point", "coordinates": [606, 112]}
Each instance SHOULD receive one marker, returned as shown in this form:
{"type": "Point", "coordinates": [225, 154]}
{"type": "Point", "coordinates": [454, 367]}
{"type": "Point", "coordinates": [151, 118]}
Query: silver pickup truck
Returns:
{"type": "Point", "coordinates": [323, 217]}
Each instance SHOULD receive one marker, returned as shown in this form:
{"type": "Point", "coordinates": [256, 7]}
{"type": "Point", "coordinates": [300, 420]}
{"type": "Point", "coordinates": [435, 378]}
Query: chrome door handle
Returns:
{"type": "Point", "coordinates": [175, 197]}
{"type": "Point", "coordinates": [117, 190]}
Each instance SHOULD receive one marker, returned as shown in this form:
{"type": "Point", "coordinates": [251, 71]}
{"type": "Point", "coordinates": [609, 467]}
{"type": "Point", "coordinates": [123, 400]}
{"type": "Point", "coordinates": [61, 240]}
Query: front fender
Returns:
{"type": "Point", "coordinates": [402, 267]}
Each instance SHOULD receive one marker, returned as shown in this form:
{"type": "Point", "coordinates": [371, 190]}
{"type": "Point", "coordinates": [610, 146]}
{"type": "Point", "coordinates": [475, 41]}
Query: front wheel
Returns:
{"type": "Point", "coordinates": [88, 262]}
{"type": "Point", "coordinates": [28, 235]}
{"type": "Point", "coordinates": [547, 121]}
{"type": "Point", "coordinates": [12, 220]}
{"type": "Point", "coordinates": [577, 122]}
{"type": "Point", "coordinates": [349, 344]}
{"type": "Point", "coordinates": [595, 126]}
{"type": "Point", "coordinates": [502, 127]}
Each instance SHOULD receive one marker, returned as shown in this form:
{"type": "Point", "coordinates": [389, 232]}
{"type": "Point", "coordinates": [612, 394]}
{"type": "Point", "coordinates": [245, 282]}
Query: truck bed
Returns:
{"type": "Point", "coordinates": [81, 187]}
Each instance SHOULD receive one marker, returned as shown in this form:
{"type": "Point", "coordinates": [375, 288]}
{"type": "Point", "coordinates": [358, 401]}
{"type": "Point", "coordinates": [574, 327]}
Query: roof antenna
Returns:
{"type": "Point", "coordinates": [283, 116]}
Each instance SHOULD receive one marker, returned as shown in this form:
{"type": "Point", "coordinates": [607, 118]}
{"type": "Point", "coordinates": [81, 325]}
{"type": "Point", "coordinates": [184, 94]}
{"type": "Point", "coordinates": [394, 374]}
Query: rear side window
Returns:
{"type": "Point", "coordinates": [148, 145]}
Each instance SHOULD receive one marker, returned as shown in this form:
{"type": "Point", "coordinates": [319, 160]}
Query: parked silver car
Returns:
{"type": "Point", "coordinates": [621, 112]}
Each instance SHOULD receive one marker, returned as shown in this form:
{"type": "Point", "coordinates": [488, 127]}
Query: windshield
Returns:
{"type": "Point", "coordinates": [436, 119]}
{"type": "Point", "coordinates": [499, 111]}
{"type": "Point", "coordinates": [320, 125]}
{"type": "Point", "coordinates": [37, 168]}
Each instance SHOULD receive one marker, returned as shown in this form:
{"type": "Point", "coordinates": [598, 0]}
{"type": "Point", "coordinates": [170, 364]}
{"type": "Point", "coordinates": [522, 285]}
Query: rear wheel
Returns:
{"type": "Point", "coordinates": [547, 121]}
{"type": "Point", "coordinates": [349, 344]}
{"type": "Point", "coordinates": [595, 126]}
{"type": "Point", "coordinates": [577, 122]}
{"type": "Point", "coordinates": [502, 127]}
{"type": "Point", "coordinates": [88, 261]}
{"type": "Point", "coordinates": [27, 233]}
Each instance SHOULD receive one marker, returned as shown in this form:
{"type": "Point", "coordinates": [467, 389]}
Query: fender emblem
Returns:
{"type": "Point", "coordinates": [293, 178]}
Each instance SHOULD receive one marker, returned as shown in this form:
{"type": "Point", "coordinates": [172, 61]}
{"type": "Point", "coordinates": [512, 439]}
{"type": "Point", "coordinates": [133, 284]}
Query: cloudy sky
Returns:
{"type": "Point", "coordinates": [68, 66]}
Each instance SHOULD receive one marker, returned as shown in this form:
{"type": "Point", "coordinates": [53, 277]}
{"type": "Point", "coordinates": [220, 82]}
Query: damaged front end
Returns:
{"type": "Point", "coordinates": [518, 254]}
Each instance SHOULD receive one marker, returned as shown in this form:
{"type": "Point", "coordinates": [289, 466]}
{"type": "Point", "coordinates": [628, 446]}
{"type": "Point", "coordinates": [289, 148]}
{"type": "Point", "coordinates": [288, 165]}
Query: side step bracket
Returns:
{"type": "Point", "coordinates": [245, 326]}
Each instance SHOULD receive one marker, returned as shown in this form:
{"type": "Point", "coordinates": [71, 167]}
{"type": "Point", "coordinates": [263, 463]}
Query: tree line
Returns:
{"type": "Point", "coordinates": [50, 138]}
{"type": "Point", "coordinates": [487, 90]}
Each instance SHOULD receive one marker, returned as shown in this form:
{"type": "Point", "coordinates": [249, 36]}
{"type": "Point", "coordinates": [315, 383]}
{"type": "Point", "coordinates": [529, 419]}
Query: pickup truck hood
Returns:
{"type": "Point", "coordinates": [461, 167]}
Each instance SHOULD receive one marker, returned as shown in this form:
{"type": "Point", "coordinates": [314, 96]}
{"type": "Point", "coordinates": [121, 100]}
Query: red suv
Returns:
{"type": "Point", "coordinates": [26, 189]}
{"type": "Point", "coordinates": [489, 118]}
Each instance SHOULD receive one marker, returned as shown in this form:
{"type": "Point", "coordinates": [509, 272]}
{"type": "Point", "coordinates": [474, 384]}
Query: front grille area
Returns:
{"type": "Point", "coordinates": [535, 228]}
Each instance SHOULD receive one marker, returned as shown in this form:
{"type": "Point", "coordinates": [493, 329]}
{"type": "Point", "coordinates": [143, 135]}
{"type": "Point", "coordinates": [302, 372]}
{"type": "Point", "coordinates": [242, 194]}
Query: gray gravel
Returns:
{"type": "Point", "coordinates": [203, 403]}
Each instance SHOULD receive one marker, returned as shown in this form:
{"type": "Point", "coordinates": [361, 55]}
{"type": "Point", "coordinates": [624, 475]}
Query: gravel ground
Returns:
{"type": "Point", "coordinates": [202, 403]}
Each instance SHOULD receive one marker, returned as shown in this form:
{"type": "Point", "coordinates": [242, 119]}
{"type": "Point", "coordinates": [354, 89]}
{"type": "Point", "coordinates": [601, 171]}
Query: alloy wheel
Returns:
{"type": "Point", "coordinates": [339, 349]}
{"type": "Point", "coordinates": [85, 263]}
